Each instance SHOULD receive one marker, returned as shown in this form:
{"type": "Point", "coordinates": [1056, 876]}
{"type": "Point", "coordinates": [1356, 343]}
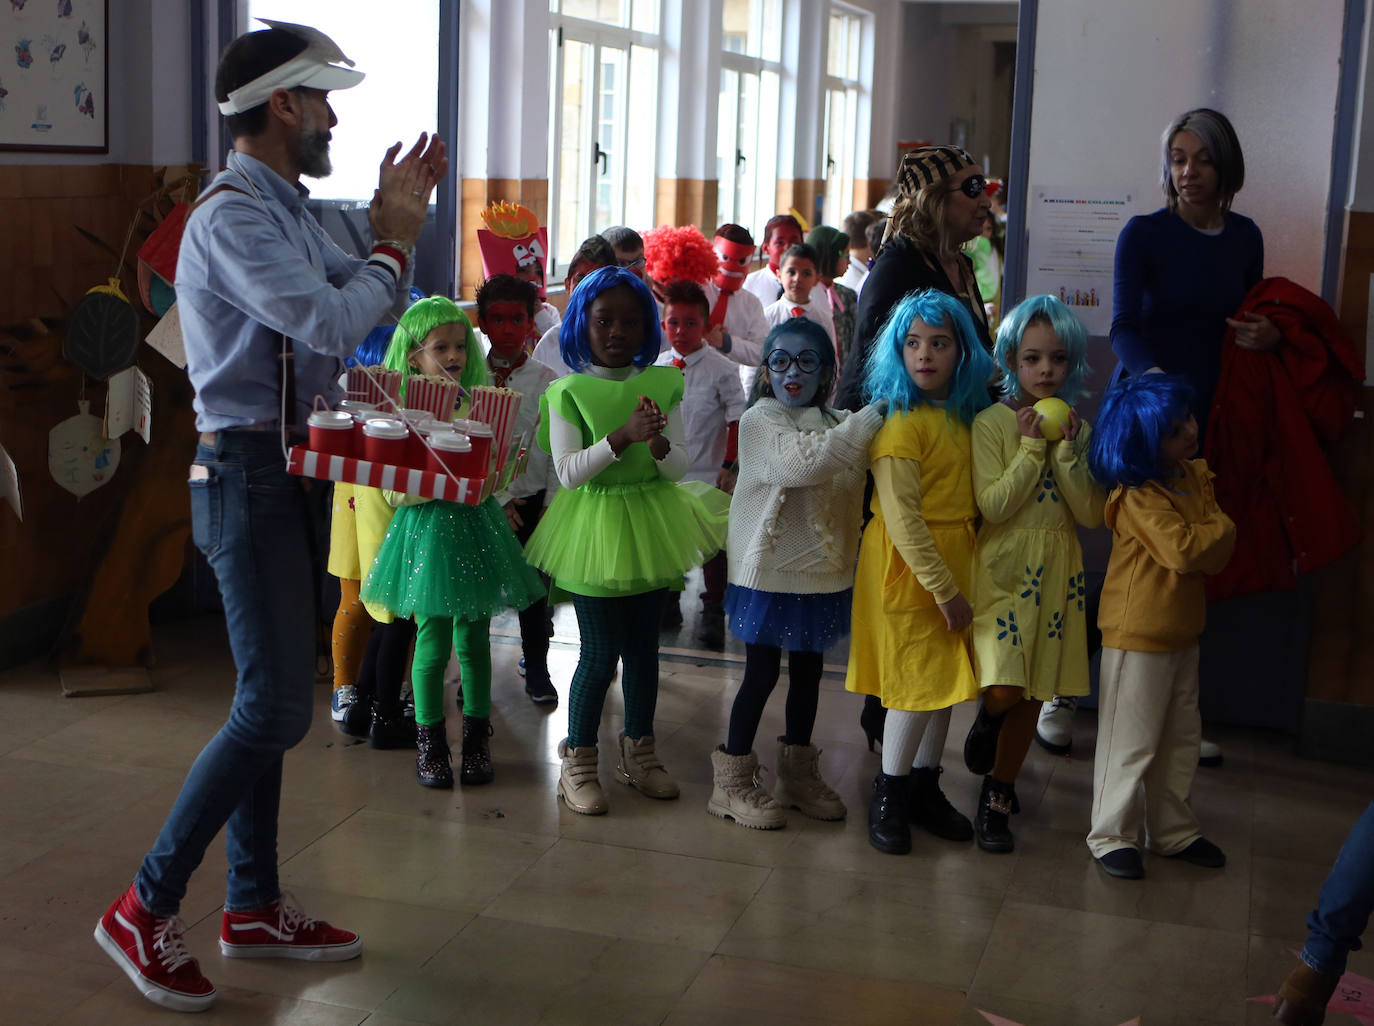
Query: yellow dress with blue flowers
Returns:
{"type": "Point", "coordinates": [1029, 625]}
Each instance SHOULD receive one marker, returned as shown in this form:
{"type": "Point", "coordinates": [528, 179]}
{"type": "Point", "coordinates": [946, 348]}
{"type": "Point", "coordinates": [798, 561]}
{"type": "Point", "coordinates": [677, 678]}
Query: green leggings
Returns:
{"type": "Point", "coordinates": [433, 639]}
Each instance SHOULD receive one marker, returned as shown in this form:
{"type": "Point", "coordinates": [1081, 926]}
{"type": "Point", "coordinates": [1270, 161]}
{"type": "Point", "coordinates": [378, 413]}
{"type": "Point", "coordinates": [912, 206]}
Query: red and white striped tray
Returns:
{"type": "Point", "coordinates": [424, 483]}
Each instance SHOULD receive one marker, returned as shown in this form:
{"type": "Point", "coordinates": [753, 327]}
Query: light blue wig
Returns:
{"type": "Point", "coordinates": [886, 377]}
{"type": "Point", "coordinates": [1058, 318]}
{"type": "Point", "coordinates": [1136, 417]}
{"type": "Point", "coordinates": [573, 343]}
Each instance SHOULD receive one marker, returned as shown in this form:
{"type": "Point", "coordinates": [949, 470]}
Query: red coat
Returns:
{"type": "Point", "coordinates": [1271, 416]}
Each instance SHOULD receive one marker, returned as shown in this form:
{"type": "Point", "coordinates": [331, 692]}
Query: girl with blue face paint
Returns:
{"type": "Point", "coordinates": [794, 534]}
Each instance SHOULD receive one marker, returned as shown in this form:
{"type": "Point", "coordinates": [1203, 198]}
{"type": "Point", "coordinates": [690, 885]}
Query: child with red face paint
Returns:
{"type": "Point", "coordinates": [778, 234]}
{"type": "Point", "coordinates": [506, 307]}
{"type": "Point", "coordinates": [736, 325]}
{"type": "Point", "coordinates": [711, 408]}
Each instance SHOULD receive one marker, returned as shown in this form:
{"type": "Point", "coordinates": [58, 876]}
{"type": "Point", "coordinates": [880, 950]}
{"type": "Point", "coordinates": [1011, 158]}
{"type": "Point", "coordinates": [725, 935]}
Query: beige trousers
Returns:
{"type": "Point", "coordinates": [1148, 735]}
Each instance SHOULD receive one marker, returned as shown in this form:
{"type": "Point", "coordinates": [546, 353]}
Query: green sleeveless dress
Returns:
{"type": "Point", "coordinates": [629, 529]}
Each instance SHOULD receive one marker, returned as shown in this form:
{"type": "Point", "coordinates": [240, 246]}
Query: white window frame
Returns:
{"type": "Point", "coordinates": [852, 161]}
{"type": "Point", "coordinates": [598, 35]}
{"type": "Point", "coordinates": [754, 67]}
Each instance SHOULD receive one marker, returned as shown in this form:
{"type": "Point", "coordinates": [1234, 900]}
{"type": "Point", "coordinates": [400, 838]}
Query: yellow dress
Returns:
{"type": "Point", "coordinates": [916, 551]}
{"type": "Point", "coordinates": [358, 523]}
{"type": "Point", "coordinates": [1029, 626]}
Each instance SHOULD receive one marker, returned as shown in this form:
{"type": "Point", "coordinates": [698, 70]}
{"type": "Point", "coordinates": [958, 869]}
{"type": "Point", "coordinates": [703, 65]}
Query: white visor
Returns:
{"type": "Point", "coordinates": [315, 67]}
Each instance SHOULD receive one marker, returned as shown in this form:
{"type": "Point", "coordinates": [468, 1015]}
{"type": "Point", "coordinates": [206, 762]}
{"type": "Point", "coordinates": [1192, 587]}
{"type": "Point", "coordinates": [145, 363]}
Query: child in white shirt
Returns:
{"type": "Point", "coordinates": [799, 276]}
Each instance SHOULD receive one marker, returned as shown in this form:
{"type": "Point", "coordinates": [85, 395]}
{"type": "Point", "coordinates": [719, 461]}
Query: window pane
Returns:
{"type": "Point", "coordinates": [766, 163]}
{"type": "Point", "coordinates": [574, 149]}
{"type": "Point", "coordinates": [641, 180]}
{"type": "Point", "coordinates": [770, 31]}
{"type": "Point", "coordinates": [749, 130]}
{"type": "Point", "coordinates": [612, 12]}
{"type": "Point", "coordinates": [398, 99]}
{"type": "Point", "coordinates": [645, 15]}
{"type": "Point", "coordinates": [737, 19]}
{"type": "Point", "coordinates": [727, 122]}
{"type": "Point", "coordinates": [835, 40]}
{"type": "Point", "coordinates": [851, 70]}
{"type": "Point", "coordinates": [611, 137]}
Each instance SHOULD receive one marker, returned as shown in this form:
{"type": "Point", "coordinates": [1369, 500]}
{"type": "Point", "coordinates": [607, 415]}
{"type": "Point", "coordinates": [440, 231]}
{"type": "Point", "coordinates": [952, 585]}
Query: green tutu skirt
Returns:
{"type": "Point", "coordinates": [450, 559]}
{"type": "Point", "coordinates": [606, 540]}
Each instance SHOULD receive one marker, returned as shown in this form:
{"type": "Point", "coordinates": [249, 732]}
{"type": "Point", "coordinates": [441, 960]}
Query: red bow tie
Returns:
{"type": "Point", "coordinates": [798, 311]}
{"type": "Point", "coordinates": [679, 363]}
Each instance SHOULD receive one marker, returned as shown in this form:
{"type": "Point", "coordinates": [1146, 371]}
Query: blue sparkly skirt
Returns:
{"type": "Point", "coordinates": [797, 623]}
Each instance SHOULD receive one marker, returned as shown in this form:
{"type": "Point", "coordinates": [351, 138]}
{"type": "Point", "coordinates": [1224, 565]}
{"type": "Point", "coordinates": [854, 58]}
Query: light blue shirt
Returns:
{"type": "Point", "coordinates": [254, 264]}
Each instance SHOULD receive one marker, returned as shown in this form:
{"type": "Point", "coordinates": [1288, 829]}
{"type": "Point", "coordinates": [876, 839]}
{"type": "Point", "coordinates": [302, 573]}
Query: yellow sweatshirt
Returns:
{"type": "Point", "coordinates": [1163, 541]}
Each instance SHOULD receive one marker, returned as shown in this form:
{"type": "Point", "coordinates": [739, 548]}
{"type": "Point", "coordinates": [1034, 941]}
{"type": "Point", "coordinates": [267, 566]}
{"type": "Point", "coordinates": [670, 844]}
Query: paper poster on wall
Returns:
{"type": "Point", "coordinates": [1071, 234]}
{"type": "Point", "coordinates": [128, 403]}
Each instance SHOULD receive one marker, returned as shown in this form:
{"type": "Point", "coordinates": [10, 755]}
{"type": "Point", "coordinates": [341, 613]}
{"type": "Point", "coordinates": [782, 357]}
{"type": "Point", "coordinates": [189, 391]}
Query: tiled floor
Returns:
{"type": "Point", "coordinates": [496, 905]}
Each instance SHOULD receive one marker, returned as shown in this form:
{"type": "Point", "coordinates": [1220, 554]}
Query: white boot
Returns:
{"type": "Point", "coordinates": [735, 792]}
{"type": "Point", "coordinates": [638, 766]}
{"type": "Point", "coordinates": [1054, 731]}
{"type": "Point", "coordinates": [578, 785]}
{"type": "Point", "coordinates": [800, 785]}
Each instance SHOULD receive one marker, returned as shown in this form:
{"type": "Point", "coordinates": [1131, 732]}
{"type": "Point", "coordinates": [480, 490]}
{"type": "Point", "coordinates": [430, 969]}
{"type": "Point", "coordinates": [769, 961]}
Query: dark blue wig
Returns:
{"type": "Point", "coordinates": [572, 335]}
{"type": "Point", "coordinates": [811, 332]}
{"type": "Point", "coordinates": [1137, 416]}
{"type": "Point", "coordinates": [886, 376]}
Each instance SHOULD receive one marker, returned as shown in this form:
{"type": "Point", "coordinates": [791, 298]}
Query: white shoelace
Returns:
{"type": "Point", "coordinates": [292, 917]}
{"type": "Point", "coordinates": [169, 943]}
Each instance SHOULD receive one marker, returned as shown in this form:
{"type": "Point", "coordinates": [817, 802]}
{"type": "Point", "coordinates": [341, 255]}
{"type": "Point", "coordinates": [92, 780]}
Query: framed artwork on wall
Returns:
{"type": "Point", "coordinates": [55, 76]}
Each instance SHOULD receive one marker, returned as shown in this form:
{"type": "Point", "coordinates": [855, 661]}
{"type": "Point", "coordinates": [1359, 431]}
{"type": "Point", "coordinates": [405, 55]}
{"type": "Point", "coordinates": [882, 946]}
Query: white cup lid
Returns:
{"type": "Point", "coordinates": [381, 427]}
{"type": "Point", "coordinates": [450, 441]}
{"type": "Point", "coordinates": [332, 419]}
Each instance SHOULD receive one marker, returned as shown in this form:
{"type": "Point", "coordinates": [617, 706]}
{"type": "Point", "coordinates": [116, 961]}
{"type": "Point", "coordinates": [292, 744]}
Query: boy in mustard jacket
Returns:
{"type": "Point", "coordinates": [1168, 532]}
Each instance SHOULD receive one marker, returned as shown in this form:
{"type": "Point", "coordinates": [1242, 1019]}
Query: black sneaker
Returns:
{"type": "Point", "coordinates": [1124, 863]}
{"type": "Point", "coordinates": [357, 717]}
{"type": "Point", "coordinates": [540, 688]}
{"type": "Point", "coordinates": [1201, 852]}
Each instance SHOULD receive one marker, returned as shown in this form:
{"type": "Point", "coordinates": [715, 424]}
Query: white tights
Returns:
{"type": "Point", "coordinates": [913, 739]}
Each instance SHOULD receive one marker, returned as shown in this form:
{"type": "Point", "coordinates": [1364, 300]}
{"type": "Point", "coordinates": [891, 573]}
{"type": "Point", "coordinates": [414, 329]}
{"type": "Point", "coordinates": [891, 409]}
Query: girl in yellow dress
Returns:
{"type": "Point", "coordinates": [1030, 637]}
{"type": "Point", "coordinates": [910, 643]}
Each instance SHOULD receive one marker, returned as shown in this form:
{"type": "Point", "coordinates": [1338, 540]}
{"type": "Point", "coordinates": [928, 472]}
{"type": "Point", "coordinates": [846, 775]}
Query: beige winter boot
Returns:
{"type": "Point", "coordinates": [639, 767]}
{"type": "Point", "coordinates": [800, 785]}
{"type": "Point", "coordinates": [736, 794]}
{"type": "Point", "coordinates": [577, 782]}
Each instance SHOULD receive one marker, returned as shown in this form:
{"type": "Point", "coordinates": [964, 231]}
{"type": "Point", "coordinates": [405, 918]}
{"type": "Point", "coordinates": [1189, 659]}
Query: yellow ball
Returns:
{"type": "Point", "coordinates": [1054, 417]}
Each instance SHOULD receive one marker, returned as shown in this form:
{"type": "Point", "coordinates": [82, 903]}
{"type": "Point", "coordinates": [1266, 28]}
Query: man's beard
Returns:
{"type": "Point", "coordinates": [314, 155]}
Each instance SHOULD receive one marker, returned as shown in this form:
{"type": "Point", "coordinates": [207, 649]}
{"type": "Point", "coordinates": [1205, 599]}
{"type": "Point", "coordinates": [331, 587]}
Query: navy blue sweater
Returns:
{"type": "Point", "coordinates": [1174, 288]}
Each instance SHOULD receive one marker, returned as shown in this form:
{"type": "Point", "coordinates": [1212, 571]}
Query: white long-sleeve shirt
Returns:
{"type": "Point", "coordinates": [713, 398]}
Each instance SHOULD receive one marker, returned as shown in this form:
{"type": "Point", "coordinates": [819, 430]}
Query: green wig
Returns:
{"type": "Point", "coordinates": [414, 327]}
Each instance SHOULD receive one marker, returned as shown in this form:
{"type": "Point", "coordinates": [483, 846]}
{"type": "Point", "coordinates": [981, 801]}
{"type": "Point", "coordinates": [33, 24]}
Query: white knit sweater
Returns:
{"type": "Point", "coordinates": [795, 515]}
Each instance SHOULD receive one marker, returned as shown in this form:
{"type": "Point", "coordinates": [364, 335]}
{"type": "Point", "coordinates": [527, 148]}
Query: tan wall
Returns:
{"type": "Point", "coordinates": [474, 195]}
{"type": "Point", "coordinates": [800, 194]}
{"type": "Point", "coordinates": [684, 201]}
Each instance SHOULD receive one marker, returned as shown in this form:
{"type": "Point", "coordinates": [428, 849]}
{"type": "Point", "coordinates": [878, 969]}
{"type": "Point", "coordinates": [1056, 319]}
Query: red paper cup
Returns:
{"type": "Point", "coordinates": [454, 449]}
{"type": "Point", "coordinates": [331, 431]}
{"type": "Point", "coordinates": [384, 441]}
{"type": "Point", "coordinates": [481, 437]}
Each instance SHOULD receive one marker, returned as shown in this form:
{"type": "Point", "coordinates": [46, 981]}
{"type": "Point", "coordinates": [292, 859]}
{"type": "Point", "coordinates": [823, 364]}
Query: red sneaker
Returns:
{"type": "Point", "coordinates": [152, 953]}
{"type": "Point", "coordinates": [282, 930]}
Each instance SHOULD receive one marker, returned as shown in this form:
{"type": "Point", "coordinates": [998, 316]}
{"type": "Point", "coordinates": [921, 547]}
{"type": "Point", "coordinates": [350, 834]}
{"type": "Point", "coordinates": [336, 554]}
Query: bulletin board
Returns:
{"type": "Point", "coordinates": [54, 76]}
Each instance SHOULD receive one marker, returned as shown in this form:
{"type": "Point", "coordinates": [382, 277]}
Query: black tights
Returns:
{"type": "Point", "coordinates": [384, 664]}
{"type": "Point", "coordinates": [761, 666]}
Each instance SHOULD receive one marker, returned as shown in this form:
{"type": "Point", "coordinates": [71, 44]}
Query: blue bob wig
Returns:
{"type": "Point", "coordinates": [1067, 328]}
{"type": "Point", "coordinates": [810, 331]}
{"type": "Point", "coordinates": [573, 343]}
{"type": "Point", "coordinates": [1136, 417]}
{"type": "Point", "coordinates": [886, 376]}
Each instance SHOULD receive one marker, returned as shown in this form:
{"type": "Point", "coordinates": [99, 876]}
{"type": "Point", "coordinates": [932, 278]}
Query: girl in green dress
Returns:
{"type": "Point", "coordinates": [622, 531]}
{"type": "Point", "coordinates": [447, 564]}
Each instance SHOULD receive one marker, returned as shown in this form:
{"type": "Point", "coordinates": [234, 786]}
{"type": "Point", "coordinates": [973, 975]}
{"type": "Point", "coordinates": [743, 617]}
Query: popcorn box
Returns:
{"type": "Point", "coordinates": [436, 396]}
{"type": "Point", "coordinates": [497, 407]}
{"type": "Point", "coordinates": [426, 484]}
{"type": "Point", "coordinates": [375, 385]}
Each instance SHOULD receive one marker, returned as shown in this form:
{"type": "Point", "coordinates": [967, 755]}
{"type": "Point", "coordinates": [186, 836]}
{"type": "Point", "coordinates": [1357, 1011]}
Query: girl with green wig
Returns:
{"type": "Point", "coordinates": [449, 565]}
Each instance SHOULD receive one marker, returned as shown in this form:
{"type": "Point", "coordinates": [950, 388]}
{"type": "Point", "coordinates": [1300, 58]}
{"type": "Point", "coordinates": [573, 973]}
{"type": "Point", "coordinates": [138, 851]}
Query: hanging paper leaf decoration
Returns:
{"type": "Point", "coordinates": [80, 457]}
{"type": "Point", "coordinates": [102, 332]}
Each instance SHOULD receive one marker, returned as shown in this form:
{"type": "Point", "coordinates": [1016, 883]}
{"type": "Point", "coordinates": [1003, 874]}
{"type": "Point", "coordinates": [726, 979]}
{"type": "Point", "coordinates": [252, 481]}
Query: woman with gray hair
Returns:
{"type": "Point", "coordinates": [941, 204]}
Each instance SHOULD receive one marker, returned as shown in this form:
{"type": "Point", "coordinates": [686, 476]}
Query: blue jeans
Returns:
{"type": "Point", "coordinates": [1342, 911]}
{"type": "Point", "coordinates": [248, 517]}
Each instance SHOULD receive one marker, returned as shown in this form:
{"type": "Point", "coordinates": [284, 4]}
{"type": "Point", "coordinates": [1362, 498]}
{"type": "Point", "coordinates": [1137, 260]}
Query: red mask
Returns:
{"type": "Point", "coordinates": [734, 263]}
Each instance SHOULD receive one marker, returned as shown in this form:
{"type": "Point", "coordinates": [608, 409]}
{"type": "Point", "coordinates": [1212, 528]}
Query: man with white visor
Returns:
{"type": "Point", "coordinates": [269, 307]}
